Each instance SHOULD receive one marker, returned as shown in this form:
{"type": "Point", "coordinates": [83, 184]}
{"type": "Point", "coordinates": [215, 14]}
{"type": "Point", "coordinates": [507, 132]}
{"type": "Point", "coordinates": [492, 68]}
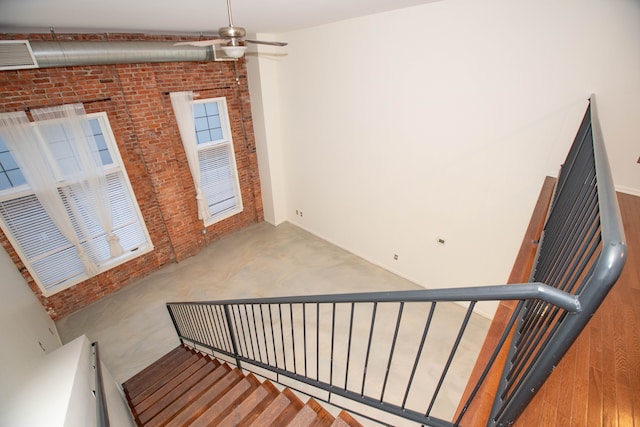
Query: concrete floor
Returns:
{"type": "Point", "coordinates": [134, 328]}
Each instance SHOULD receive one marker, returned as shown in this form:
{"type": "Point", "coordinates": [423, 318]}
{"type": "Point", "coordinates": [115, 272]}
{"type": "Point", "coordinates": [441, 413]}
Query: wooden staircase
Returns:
{"type": "Point", "coordinates": [187, 388]}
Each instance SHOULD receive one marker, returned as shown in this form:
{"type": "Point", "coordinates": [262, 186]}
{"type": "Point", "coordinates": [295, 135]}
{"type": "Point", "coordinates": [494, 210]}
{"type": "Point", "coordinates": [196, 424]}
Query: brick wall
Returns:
{"type": "Point", "coordinates": [136, 99]}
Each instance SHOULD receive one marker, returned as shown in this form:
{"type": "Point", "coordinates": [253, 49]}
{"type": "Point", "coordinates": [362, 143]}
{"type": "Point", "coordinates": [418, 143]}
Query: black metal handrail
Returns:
{"type": "Point", "coordinates": [378, 349]}
{"type": "Point", "coordinates": [102, 414]}
{"type": "Point", "coordinates": [582, 252]}
{"type": "Point", "coordinates": [284, 335]}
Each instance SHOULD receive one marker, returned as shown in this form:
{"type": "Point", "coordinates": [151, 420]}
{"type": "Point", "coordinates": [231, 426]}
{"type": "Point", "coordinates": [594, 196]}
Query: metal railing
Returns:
{"type": "Point", "coordinates": [582, 252]}
{"type": "Point", "coordinates": [102, 414]}
{"type": "Point", "coordinates": [402, 352]}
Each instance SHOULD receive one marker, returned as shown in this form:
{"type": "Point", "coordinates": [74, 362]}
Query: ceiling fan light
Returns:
{"type": "Point", "coordinates": [234, 51]}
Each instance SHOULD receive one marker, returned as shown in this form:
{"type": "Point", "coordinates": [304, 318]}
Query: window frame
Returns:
{"type": "Point", "coordinates": [116, 167]}
{"type": "Point", "coordinates": [225, 141]}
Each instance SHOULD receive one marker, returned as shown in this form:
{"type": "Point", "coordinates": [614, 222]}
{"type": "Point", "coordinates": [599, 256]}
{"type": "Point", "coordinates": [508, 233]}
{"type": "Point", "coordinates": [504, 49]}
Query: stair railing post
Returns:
{"type": "Point", "coordinates": [234, 344]}
{"type": "Point", "coordinates": [175, 324]}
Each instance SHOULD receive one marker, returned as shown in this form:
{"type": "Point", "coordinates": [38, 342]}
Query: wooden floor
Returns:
{"type": "Point", "coordinates": [597, 383]}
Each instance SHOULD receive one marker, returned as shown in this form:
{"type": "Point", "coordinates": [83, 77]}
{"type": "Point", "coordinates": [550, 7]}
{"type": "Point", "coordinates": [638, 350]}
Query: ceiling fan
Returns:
{"type": "Point", "coordinates": [231, 39]}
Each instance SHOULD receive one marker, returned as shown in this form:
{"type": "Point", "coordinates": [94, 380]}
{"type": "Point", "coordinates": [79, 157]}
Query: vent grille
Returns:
{"type": "Point", "coordinates": [16, 55]}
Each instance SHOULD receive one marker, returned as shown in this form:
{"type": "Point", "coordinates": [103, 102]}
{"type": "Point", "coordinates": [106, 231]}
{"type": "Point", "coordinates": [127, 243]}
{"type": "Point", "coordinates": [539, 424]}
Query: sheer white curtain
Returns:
{"type": "Point", "coordinates": [84, 166]}
{"type": "Point", "coordinates": [33, 157]}
{"type": "Point", "coordinates": [183, 109]}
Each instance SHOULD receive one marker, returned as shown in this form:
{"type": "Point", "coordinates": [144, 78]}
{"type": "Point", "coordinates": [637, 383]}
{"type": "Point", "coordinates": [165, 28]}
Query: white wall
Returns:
{"type": "Point", "coordinates": [58, 392]}
{"type": "Point", "coordinates": [441, 121]}
{"type": "Point", "coordinates": [24, 326]}
{"type": "Point", "coordinates": [263, 64]}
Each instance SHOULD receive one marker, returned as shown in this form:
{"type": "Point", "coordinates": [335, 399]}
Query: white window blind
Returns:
{"type": "Point", "coordinates": [219, 179]}
{"type": "Point", "coordinates": [217, 176]}
{"type": "Point", "coordinates": [50, 258]}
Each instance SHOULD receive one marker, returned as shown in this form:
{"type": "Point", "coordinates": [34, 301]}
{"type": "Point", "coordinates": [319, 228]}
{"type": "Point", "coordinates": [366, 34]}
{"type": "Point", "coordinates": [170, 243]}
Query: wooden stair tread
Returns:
{"type": "Point", "coordinates": [339, 422]}
{"type": "Point", "coordinates": [344, 419]}
{"type": "Point", "coordinates": [175, 391]}
{"type": "Point", "coordinates": [139, 382]}
{"type": "Point", "coordinates": [280, 411]}
{"type": "Point", "coordinates": [323, 417]}
{"type": "Point", "coordinates": [190, 412]}
{"type": "Point", "coordinates": [227, 403]}
{"type": "Point", "coordinates": [193, 393]}
{"type": "Point", "coordinates": [271, 412]}
{"type": "Point", "coordinates": [180, 378]}
{"type": "Point", "coordinates": [162, 380]}
{"type": "Point", "coordinates": [186, 388]}
{"type": "Point", "coordinates": [249, 408]}
{"type": "Point", "coordinates": [304, 418]}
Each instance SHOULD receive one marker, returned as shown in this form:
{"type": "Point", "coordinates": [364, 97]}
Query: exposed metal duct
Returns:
{"type": "Point", "coordinates": [73, 53]}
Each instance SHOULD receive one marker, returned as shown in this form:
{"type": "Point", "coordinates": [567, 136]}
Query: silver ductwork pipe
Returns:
{"type": "Point", "coordinates": [74, 53]}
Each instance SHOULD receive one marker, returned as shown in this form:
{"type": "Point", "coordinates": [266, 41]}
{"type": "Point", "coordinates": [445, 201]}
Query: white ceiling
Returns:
{"type": "Point", "coordinates": [183, 17]}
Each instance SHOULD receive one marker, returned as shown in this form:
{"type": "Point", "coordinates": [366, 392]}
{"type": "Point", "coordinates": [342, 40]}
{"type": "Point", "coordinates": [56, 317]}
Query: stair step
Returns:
{"type": "Point", "coordinates": [193, 393]}
{"type": "Point", "coordinates": [187, 388]}
{"type": "Point", "coordinates": [140, 381]}
{"type": "Point", "coordinates": [345, 420]}
{"type": "Point", "coordinates": [209, 397]}
{"type": "Point", "coordinates": [181, 377]}
{"type": "Point", "coordinates": [228, 403]}
{"type": "Point", "coordinates": [306, 417]}
{"type": "Point", "coordinates": [280, 411]}
{"type": "Point", "coordinates": [251, 407]}
{"type": "Point", "coordinates": [161, 380]}
{"type": "Point", "coordinates": [174, 391]}
{"type": "Point", "coordinates": [323, 417]}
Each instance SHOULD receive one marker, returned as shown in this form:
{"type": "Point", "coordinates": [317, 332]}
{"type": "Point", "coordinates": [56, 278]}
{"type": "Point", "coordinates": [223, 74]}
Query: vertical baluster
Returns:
{"type": "Point", "coordinates": [255, 332]}
{"type": "Point", "coordinates": [293, 339]}
{"type": "Point", "coordinates": [304, 336]}
{"type": "Point", "coordinates": [273, 337]}
{"type": "Point", "coordinates": [193, 312]}
{"type": "Point", "coordinates": [366, 359]}
{"type": "Point", "coordinates": [175, 323]}
{"type": "Point", "coordinates": [246, 314]}
{"type": "Point", "coordinates": [494, 356]}
{"type": "Point", "coordinates": [187, 322]}
{"type": "Point", "coordinates": [284, 354]}
{"type": "Point", "coordinates": [224, 327]}
{"type": "Point", "coordinates": [420, 347]}
{"type": "Point", "coordinates": [214, 329]}
{"type": "Point", "coordinates": [240, 331]}
{"type": "Point", "coordinates": [206, 332]}
{"type": "Point", "coordinates": [317, 341]}
{"type": "Point", "coordinates": [333, 335]}
{"type": "Point", "coordinates": [393, 347]}
{"type": "Point", "coordinates": [346, 374]}
{"type": "Point", "coordinates": [234, 344]}
{"type": "Point", "coordinates": [264, 335]}
{"type": "Point", "coordinates": [192, 321]}
{"type": "Point", "coordinates": [451, 355]}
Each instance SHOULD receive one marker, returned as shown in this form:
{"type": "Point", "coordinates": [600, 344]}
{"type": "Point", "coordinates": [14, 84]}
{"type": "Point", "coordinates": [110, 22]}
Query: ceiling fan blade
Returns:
{"type": "Point", "coordinates": [202, 43]}
{"type": "Point", "coordinates": [267, 43]}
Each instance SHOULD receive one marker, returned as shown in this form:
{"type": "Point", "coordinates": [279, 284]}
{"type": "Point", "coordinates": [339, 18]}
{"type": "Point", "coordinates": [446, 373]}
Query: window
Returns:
{"type": "Point", "coordinates": [206, 137]}
{"type": "Point", "coordinates": [218, 174]}
{"type": "Point", "coordinates": [50, 257]}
